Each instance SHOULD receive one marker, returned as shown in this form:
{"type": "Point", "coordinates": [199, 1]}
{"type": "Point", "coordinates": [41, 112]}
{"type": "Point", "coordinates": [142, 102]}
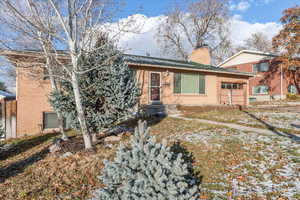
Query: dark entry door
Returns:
{"type": "Point", "coordinates": [155, 87]}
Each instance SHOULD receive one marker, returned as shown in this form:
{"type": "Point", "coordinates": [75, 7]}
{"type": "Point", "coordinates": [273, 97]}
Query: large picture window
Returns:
{"type": "Point", "coordinates": [185, 83]}
{"type": "Point", "coordinates": [50, 120]}
{"type": "Point", "coordinates": [261, 89]}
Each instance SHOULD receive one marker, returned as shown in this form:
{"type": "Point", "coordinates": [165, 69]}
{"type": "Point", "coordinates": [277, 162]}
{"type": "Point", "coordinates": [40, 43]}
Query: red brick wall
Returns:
{"type": "Point", "coordinates": [32, 95]}
{"type": "Point", "coordinates": [270, 78]}
{"type": "Point", "coordinates": [32, 101]}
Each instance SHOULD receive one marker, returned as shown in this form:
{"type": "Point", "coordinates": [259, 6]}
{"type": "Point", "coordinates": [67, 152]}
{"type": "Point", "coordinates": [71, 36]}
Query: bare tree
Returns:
{"type": "Point", "coordinates": [77, 25]}
{"type": "Point", "coordinates": [27, 28]}
{"type": "Point", "coordinates": [257, 42]}
{"type": "Point", "coordinates": [194, 24]}
{"type": "Point", "coordinates": [223, 52]}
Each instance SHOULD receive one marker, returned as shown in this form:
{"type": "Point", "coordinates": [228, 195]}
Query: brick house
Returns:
{"type": "Point", "coordinates": [271, 81]}
{"type": "Point", "coordinates": [163, 82]}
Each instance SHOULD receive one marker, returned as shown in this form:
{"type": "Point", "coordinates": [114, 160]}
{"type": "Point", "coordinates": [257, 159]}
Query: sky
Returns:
{"type": "Point", "coordinates": [252, 10]}
{"type": "Point", "coordinates": [247, 17]}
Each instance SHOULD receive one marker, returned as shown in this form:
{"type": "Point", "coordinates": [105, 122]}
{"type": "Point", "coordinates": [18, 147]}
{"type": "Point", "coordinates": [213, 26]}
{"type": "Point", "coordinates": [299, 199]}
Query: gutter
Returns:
{"type": "Point", "coordinates": [190, 69]}
{"type": "Point", "coordinates": [34, 54]}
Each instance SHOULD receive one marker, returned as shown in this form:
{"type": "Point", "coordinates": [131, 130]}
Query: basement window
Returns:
{"type": "Point", "coordinates": [50, 120]}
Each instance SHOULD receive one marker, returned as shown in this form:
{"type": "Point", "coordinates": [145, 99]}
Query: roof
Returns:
{"type": "Point", "coordinates": [268, 55]}
{"type": "Point", "coordinates": [7, 95]}
{"type": "Point", "coordinates": [178, 64]}
{"type": "Point", "coordinates": [151, 62]}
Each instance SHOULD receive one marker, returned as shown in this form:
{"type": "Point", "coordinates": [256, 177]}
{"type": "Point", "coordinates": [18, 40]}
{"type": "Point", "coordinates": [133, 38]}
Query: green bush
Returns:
{"type": "Point", "coordinates": [147, 171]}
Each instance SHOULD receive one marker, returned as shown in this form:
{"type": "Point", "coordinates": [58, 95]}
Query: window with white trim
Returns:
{"type": "Point", "coordinates": [261, 89]}
{"type": "Point", "coordinates": [292, 89]}
{"type": "Point", "coordinates": [261, 67]}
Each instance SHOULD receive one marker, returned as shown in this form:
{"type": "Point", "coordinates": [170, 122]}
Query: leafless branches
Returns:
{"type": "Point", "coordinates": [257, 42]}
{"type": "Point", "coordinates": [200, 22]}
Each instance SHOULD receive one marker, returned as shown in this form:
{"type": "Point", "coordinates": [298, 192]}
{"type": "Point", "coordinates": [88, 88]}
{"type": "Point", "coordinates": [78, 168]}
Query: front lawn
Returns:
{"type": "Point", "coordinates": [283, 119]}
{"type": "Point", "coordinates": [231, 164]}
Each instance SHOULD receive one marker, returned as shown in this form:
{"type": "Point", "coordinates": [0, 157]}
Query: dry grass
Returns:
{"type": "Point", "coordinates": [248, 115]}
{"type": "Point", "coordinates": [74, 177]}
{"type": "Point", "coordinates": [35, 174]}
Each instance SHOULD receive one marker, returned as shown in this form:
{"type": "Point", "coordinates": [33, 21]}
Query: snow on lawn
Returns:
{"type": "Point", "coordinates": [285, 120]}
{"type": "Point", "coordinates": [268, 167]}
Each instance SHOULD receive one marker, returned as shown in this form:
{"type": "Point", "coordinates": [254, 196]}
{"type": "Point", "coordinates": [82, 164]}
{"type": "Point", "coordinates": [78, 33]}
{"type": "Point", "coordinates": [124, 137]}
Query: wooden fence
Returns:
{"type": "Point", "coordinates": [8, 117]}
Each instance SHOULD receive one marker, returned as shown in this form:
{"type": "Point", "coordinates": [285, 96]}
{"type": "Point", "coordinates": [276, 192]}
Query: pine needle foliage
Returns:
{"type": "Point", "coordinates": [108, 88]}
{"type": "Point", "coordinates": [147, 171]}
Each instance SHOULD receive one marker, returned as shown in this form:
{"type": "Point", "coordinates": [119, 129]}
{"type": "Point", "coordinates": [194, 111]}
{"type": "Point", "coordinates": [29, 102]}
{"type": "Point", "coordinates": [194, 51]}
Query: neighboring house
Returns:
{"type": "Point", "coordinates": [162, 81]}
{"type": "Point", "coordinates": [272, 79]}
{"type": "Point", "coordinates": [8, 113]}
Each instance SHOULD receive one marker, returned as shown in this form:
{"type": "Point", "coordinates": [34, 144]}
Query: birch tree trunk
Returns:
{"type": "Point", "coordinates": [81, 118]}
{"type": "Point", "coordinates": [79, 107]}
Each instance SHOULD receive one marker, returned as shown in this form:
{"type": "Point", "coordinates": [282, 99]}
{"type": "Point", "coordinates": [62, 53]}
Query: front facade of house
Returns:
{"type": "Point", "coordinates": [272, 81]}
{"type": "Point", "coordinates": [162, 82]}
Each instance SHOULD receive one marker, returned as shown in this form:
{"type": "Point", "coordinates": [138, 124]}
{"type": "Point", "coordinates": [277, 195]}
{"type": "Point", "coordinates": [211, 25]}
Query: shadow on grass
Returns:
{"type": "Point", "coordinates": [19, 166]}
{"type": "Point", "coordinates": [25, 145]}
{"type": "Point", "coordinates": [273, 129]}
{"type": "Point", "coordinates": [130, 126]}
{"type": "Point", "coordinates": [189, 159]}
{"type": "Point", "coordinates": [151, 121]}
{"type": "Point", "coordinates": [296, 125]}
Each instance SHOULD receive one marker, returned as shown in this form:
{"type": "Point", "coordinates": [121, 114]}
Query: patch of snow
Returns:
{"type": "Point", "coordinates": [274, 172]}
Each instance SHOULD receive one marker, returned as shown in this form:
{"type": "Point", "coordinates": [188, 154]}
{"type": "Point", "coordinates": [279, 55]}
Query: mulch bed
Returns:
{"type": "Point", "coordinates": [73, 145]}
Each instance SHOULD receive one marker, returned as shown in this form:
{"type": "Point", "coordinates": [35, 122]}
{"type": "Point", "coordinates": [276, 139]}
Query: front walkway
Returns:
{"type": "Point", "coordinates": [270, 131]}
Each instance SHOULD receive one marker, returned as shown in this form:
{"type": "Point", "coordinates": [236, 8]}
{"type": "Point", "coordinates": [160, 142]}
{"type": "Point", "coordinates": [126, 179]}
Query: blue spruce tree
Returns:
{"type": "Point", "coordinates": [147, 171]}
{"type": "Point", "coordinates": [108, 87]}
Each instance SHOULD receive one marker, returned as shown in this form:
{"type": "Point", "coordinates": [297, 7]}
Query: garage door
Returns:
{"type": "Point", "coordinates": [232, 94]}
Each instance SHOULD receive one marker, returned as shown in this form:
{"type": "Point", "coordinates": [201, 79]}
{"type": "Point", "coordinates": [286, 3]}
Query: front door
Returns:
{"type": "Point", "coordinates": [155, 87]}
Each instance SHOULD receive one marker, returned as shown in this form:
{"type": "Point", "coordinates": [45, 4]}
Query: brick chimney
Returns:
{"type": "Point", "coordinates": [201, 55]}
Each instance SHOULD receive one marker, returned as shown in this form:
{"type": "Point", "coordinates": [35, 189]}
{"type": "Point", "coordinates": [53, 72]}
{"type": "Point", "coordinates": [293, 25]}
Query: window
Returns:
{"type": "Point", "coordinates": [234, 86]}
{"type": "Point", "coordinates": [292, 89]}
{"type": "Point", "coordinates": [189, 83]}
{"type": "Point", "coordinates": [50, 120]}
{"type": "Point", "coordinates": [261, 67]}
{"type": "Point", "coordinates": [261, 89]}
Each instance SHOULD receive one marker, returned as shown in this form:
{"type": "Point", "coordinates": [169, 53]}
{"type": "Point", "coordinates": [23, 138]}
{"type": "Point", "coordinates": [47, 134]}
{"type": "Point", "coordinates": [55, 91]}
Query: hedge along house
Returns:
{"type": "Point", "coordinates": [163, 82]}
{"type": "Point", "coordinates": [8, 114]}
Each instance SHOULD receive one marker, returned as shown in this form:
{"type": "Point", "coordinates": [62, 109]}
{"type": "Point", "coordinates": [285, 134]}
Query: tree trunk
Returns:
{"type": "Point", "coordinates": [59, 115]}
{"type": "Point", "coordinates": [81, 117]}
{"type": "Point", "coordinates": [78, 101]}
{"type": "Point", "coordinates": [61, 126]}
{"type": "Point", "coordinates": [94, 138]}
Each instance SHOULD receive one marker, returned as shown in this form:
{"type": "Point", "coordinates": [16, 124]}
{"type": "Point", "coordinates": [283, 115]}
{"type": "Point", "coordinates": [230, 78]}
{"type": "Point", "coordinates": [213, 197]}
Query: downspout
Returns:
{"type": "Point", "coordinates": [281, 83]}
